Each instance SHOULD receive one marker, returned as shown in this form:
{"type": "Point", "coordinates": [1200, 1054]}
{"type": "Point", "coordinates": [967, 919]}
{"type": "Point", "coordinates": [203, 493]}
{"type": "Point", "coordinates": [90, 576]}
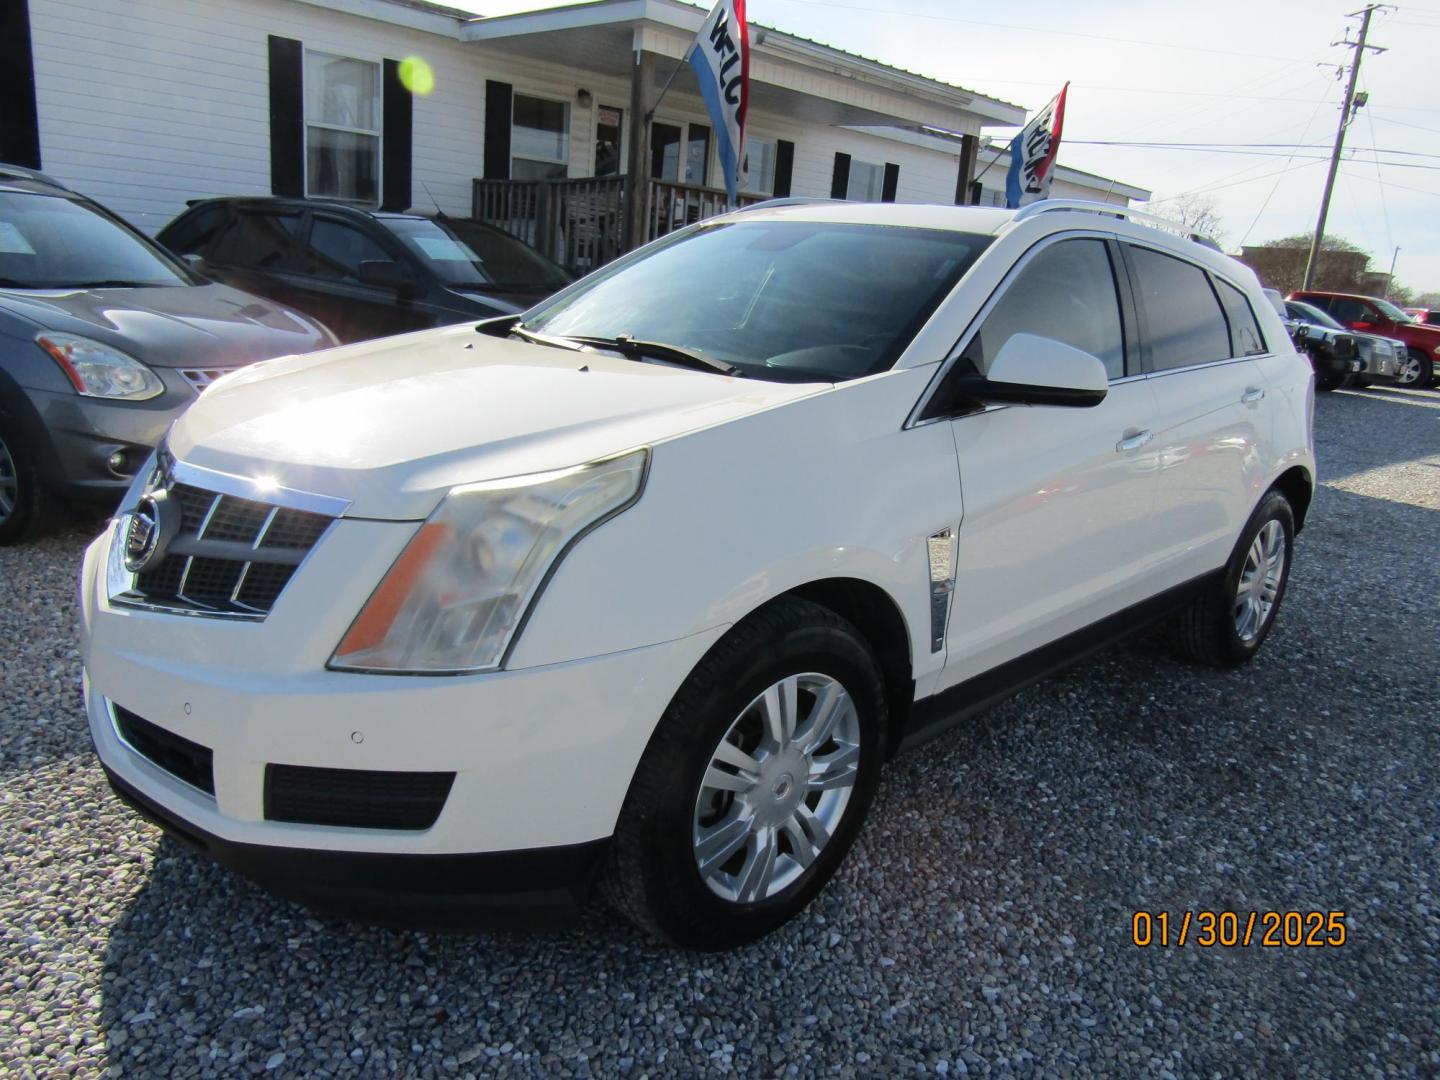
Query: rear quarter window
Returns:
{"type": "Point", "coordinates": [1245, 336]}
{"type": "Point", "coordinates": [194, 232]}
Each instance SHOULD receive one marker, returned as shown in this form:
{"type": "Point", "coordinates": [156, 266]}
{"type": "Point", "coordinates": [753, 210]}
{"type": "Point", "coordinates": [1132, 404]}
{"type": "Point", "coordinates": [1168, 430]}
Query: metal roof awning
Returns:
{"type": "Point", "coordinates": [789, 75]}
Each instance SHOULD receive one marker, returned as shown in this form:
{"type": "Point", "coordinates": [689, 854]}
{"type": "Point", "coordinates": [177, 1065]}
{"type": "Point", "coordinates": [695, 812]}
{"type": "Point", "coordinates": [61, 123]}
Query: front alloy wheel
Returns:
{"type": "Point", "coordinates": [20, 497]}
{"type": "Point", "coordinates": [776, 788]}
{"type": "Point", "coordinates": [1411, 371]}
{"type": "Point", "coordinates": [9, 483]}
{"type": "Point", "coordinates": [755, 782]}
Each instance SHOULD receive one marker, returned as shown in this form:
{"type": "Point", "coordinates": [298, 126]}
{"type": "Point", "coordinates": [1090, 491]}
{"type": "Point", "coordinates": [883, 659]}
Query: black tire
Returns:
{"type": "Point", "coordinates": [1326, 383]}
{"type": "Point", "coordinates": [1206, 630]}
{"type": "Point", "coordinates": [22, 502]}
{"type": "Point", "coordinates": [652, 877]}
{"type": "Point", "coordinates": [1424, 368]}
{"type": "Point", "coordinates": [1361, 381]}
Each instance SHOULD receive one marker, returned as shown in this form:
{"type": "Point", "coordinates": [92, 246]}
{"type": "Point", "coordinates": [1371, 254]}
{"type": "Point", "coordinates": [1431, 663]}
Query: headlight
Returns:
{"type": "Point", "coordinates": [457, 594]}
{"type": "Point", "coordinates": [100, 371]}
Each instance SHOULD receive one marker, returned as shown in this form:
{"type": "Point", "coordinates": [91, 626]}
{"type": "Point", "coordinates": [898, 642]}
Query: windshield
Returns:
{"type": "Point", "coordinates": [1310, 314]}
{"type": "Point", "coordinates": [50, 242]}
{"type": "Point", "coordinates": [1390, 311]}
{"type": "Point", "coordinates": [784, 300]}
{"type": "Point", "coordinates": [467, 254]}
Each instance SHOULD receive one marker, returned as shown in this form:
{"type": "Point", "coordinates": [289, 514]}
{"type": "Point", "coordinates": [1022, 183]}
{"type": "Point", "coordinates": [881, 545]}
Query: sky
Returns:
{"type": "Point", "coordinates": [1225, 71]}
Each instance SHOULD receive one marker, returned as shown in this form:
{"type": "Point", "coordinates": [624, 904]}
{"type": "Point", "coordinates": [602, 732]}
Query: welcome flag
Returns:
{"type": "Point", "coordinates": [721, 59]}
{"type": "Point", "coordinates": [1032, 155]}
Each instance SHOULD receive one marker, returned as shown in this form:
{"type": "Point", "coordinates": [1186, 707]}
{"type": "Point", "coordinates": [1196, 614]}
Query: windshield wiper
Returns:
{"type": "Point", "coordinates": [545, 339]}
{"type": "Point", "coordinates": [658, 350]}
{"type": "Point", "coordinates": [113, 283]}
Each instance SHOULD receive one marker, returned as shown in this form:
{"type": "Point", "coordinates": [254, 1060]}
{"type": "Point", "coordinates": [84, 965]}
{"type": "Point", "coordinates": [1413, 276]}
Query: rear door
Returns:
{"type": "Point", "coordinates": [255, 251]}
{"type": "Point", "coordinates": [1056, 499]}
{"type": "Point", "coordinates": [1209, 424]}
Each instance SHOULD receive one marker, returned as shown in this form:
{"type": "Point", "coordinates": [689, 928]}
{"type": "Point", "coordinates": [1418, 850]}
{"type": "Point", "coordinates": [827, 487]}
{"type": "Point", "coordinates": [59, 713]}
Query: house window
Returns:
{"type": "Point", "coordinates": [760, 165]}
{"type": "Point", "coordinates": [867, 181]}
{"type": "Point", "coordinates": [609, 135]}
{"type": "Point", "coordinates": [677, 147]}
{"type": "Point", "coordinates": [539, 139]}
{"type": "Point", "coordinates": [342, 127]}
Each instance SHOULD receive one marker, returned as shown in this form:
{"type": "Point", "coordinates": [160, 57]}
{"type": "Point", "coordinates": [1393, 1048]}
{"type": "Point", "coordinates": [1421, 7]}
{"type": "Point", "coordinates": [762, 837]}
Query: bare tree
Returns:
{"type": "Point", "coordinates": [1197, 213]}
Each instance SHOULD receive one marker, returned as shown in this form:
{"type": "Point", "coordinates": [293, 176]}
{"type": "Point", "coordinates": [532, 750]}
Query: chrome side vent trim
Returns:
{"type": "Point", "coordinates": [940, 547]}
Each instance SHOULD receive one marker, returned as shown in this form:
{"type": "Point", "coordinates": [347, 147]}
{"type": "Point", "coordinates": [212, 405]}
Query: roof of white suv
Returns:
{"type": "Point", "coordinates": [1066, 213]}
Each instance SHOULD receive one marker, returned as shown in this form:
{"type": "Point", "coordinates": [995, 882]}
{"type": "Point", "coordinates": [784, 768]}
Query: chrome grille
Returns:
{"type": "Point", "coordinates": [200, 378]}
{"type": "Point", "coordinates": [232, 556]}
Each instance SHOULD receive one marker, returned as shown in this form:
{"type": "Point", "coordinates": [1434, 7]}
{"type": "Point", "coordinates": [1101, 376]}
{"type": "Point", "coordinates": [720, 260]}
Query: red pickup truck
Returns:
{"type": "Point", "coordinates": [1371, 315]}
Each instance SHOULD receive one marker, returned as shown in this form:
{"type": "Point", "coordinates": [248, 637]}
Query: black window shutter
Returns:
{"type": "Point", "coordinates": [19, 122]}
{"type": "Point", "coordinates": [892, 181]}
{"type": "Point", "coordinates": [784, 166]}
{"type": "Point", "coordinates": [498, 99]}
{"type": "Point", "coordinates": [840, 181]}
{"type": "Point", "coordinates": [398, 125]}
{"type": "Point", "coordinates": [287, 117]}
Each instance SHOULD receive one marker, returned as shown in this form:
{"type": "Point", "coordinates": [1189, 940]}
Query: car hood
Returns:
{"type": "Point", "coordinates": [392, 425]}
{"type": "Point", "coordinates": [208, 325]}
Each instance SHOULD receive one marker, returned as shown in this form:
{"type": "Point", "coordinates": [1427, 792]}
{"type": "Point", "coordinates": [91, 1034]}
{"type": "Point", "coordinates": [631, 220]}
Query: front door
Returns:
{"type": "Point", "coordinates": [1056, 499]}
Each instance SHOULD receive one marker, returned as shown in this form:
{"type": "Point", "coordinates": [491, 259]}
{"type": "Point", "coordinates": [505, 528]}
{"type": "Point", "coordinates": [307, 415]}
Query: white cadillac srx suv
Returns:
{"type": "Point", "coordinates": [638, 591]}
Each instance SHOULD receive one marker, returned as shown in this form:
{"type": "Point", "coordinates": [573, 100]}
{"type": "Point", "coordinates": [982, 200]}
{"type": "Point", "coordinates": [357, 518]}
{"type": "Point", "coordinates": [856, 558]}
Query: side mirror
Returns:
{"type": "Point", "coordinates": [1035, 370]}
{"type": "Point", "coordinates": [385, 274]}
{"type": "Point", "coordinates": [194, 262]}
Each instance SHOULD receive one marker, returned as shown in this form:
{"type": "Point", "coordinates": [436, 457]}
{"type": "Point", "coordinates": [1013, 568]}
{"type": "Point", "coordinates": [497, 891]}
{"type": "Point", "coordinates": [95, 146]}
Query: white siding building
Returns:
{"type": "Point", "coordinates": [145, 104]}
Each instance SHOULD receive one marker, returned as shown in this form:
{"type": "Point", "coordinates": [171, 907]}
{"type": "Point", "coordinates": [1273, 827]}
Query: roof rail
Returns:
{"type": "Point", "coordinates": [20, 172]}
{"type": "Point", "coordinates": [1140, 217]}
{"type": "Point", "coordinates": [785, 200]}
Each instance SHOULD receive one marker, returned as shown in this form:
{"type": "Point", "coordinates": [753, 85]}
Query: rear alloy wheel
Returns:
{"type": "Point", "coordinates": [1229, 621]}
{"type": "Point", "coordinates": [1411, 371]}
{"type": "Point", "coordinates": [755, 782]}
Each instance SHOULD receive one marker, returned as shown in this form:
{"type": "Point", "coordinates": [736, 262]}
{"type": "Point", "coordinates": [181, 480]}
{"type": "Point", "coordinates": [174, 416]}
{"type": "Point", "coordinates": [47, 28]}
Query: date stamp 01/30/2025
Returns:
{"type": "Point", "coordinates": [1231, 929]}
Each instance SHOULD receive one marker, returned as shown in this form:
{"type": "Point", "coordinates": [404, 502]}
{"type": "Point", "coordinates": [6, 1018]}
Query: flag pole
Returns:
{"type": "Point", "coordinates": [666, 88]}
{"type": "Point", "coordinates": [997, 157]}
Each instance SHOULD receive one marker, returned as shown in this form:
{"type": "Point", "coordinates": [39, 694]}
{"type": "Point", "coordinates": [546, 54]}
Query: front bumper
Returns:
{"type": "Point", "coordinates": [542, 757]}
{"type": "Point", "coordinates": [521, 889]}
{"type": "Point", "coordinates": [74, 437]}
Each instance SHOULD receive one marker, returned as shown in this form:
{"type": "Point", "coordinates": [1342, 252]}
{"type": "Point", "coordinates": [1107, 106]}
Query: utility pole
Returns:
{"type": "Point", "coordinates": [1390, 278]}
{"type": "Point", "coordinates": [1347, 113]}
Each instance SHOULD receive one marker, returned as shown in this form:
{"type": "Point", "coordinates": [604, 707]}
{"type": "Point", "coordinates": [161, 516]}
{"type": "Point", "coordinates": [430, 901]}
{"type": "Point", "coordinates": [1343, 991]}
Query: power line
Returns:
{"type": "Point", "coordinates": [1040, 30]}
{"type": "Point", "coordinates": [1276, 186]}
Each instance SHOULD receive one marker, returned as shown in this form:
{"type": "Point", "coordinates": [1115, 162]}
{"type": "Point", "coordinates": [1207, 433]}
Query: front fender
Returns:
{"type": "Point", "coordinates": [737, 514]}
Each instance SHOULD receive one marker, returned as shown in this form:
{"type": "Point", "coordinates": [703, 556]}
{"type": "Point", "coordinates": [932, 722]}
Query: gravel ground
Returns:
{"type": "Point", "coordinates": [982, 925]}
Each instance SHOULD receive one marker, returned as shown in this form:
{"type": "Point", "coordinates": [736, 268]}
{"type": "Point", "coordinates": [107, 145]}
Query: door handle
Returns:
{"type": "Point", "coordinates": [1252, 395]}
{"type": "Point", "coordinates": [1134, 442]}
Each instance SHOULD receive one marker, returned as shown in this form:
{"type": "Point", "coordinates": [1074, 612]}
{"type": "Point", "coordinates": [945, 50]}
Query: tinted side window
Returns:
{"type": "Point", "coordinates": [258, 240]}
{"type": "Point", "coordinates": [336, 251]}
{"type": "Point", "coordinates": [1348, 311]}
{"type": "Point", "coordinates": [1066, 292]}
{"type": "Point", "coordinates": [1183, 316]}
{"type": "Point", "coordinates": [197, 230]}
{"type": "Point", "coordinates": [1245, 337]}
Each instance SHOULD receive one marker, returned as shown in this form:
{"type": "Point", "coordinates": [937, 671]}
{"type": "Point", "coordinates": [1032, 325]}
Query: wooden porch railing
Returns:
{"type": "Point", "coordinates": [580, 223]}
{"type": "Point", "coordinates": [672, 206]}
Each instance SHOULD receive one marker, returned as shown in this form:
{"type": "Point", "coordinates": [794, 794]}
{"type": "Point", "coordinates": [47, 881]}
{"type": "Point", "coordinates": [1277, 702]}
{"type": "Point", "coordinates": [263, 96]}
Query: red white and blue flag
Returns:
{"type": "Point", "coordinates": [721, 59]}
{"type": "Point", "coordinates": [1032, 155]}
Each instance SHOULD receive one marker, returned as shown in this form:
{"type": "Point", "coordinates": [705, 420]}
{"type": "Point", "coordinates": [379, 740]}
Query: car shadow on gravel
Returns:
{"type": "Point", "coordinates": [986, 910]}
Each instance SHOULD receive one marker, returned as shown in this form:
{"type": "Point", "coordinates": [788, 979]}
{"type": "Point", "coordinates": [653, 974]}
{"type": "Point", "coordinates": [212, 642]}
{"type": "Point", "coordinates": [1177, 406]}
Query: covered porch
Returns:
{"type": "Point", "coordinates": [588, 173]}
